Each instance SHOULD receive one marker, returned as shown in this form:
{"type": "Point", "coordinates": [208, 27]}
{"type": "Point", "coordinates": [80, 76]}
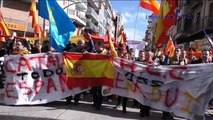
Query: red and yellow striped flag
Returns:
{"type": "Point", "coordinates": [3, 26]}
{"type": "Point", "coordinates": [170, 48]}
{"type": "Point", "coordinates": [34, 14]}
{"type": "Point", "coordinates": [166, 19]}
{"type": "Point", "coordinates": [111, 46]}
{"type": "Point", "coordinates": [84, 70]}
{"type": "Point", "coordinates": [151, 5]}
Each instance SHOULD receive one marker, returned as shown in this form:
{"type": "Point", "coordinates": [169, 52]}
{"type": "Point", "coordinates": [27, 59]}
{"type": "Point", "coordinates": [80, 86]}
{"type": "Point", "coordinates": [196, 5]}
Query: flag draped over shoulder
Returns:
{"type": "Point", "coordinates": [84, 70]}
{"type": "Point", "coordinates": [3, 26]}
{"type": "Point", "coordinates": [111, 46]}
{"type": "Point", "coordinates": [34, 14]}
{"type": "Point", "coordinates": [170, 47]}
{"type": "Point", "coordinates": [166, 19]}
{"type": "Point", "coordinates": [61, 27]}
{"type": "Point", "coordinates": [151, 5]}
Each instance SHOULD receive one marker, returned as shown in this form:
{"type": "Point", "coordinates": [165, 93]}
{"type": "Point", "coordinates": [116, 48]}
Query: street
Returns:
{"type": "Point", "coordinates": [84, 111]}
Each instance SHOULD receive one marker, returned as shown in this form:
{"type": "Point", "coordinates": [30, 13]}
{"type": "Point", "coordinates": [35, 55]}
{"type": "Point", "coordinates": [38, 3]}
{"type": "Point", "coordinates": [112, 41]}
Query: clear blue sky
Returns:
{"type": "Point", "coordinates": [128, 10]}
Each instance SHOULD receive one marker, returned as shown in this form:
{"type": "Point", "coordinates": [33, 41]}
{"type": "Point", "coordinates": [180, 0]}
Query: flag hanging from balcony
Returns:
{"type": "Point", "coordinates": [3, 26]}
{"type": "Point", "coordinates": [151, 5]}
{"type": "Point", "coordinates": [166, 19]}
{"type": "Point", "coordinates": [34, 14]}
{"type": "Point", "coordinates": [170, 47]}
{"type": "Point", "coordinates": [209, 39]}
{"type": "Point", "coordinates": [61, 27]}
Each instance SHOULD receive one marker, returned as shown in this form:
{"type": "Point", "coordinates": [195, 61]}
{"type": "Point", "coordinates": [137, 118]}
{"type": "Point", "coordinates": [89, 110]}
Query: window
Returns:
{"type": "Point", "coordinates": [211, 10]}
{"type": "Point", "coordinates": [210, 15]}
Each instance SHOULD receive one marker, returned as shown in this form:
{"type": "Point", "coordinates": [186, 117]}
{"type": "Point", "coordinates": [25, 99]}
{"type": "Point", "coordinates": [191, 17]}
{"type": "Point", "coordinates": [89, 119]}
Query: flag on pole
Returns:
{"type": "Point", "coordinates": [34, 14]}
{"type": "Point", "coordinates": [170, 47]}
{"type": "Point", "coordinates": [209, 39]}
{"type": "Point", "coordinates": [111, 46]}
{"type": "Point", "coordinates": [166, 19]}
{"type": "Point", "coordinates": [3, 26]}
{"type": "Point", "coordinates": [151, 5]}
{"type": "Point", "coordinates": [61, 27]}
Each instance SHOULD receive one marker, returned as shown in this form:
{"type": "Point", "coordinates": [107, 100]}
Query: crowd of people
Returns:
{"type": "Point", "coordinates": [181, 57]}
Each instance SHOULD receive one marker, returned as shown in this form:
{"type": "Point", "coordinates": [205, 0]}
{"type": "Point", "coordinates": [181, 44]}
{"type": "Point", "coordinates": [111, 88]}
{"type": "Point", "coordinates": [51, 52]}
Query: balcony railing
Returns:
{"type": "Point", "coordinates": [77, 14]}
{"type": "Point", "coordinates": [91, 11]}
{"type": "Point", "coordinates": [94, 3]}
{"type": "Point", "coordinates": [92, 26]}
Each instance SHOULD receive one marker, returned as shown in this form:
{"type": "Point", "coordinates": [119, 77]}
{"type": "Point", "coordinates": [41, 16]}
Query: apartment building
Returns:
{"type": "Point", "coordinates": [91, 16]}
{"type": "Point", "coordinates": [151, 31]}
{"type": "Point", "coordinates": [194, 17]}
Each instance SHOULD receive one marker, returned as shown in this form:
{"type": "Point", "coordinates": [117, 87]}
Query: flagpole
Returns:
{"type": "Point", "coordinates": [136, 20]}
{"type": "Point", "coordinates": [26, 26]}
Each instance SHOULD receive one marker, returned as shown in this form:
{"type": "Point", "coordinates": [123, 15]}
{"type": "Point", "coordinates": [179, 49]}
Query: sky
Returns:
{"type": "Point", "coordinates": [134, 28]}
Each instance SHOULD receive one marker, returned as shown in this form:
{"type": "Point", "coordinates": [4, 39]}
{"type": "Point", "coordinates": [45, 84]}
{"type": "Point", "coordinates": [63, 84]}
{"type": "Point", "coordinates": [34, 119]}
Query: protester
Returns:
{"type": "Point", "coordinates": [79, 49]}
{"type": "Point", "coordinates": [124, 99]}
{"type": "Point", "coordinates": [19, 48]}
{"type": "Point", "coordinates": [3, 47]}
{"type": "Point", "coordinates": [145, 110]}
{"type": "Point", "coordinates": [96, 91]}
{"type": "Point", "coordinates": [36, 48]}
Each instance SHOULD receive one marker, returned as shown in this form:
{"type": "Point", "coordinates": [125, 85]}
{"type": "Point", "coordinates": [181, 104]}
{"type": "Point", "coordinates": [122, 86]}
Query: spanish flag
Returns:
{"type": "Point", "coordinates": [34, 14]}
{"type": "Point", "coordinates": [3, 26]}
{"type": "Point", "coordinates": [170, 48]}
{"type": "Point", "coordinates": [151, 5]}
{"type": "Point", "coordinates": [166, 19]}
{"type": "Point", "coordinates": [88, 70]}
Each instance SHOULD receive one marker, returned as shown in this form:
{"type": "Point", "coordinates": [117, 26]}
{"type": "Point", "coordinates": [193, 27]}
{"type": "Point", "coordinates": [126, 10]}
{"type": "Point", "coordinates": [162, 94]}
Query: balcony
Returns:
{"type": "Point", "coordinates": [81, 5]}
{"type": "Point", "coordinates": [109, 13]}
{"type": "Point", "coordinates": [92, 14]}
{"type": "Point", "coordinates": [77, 17]}
{"type": "Point", "coordinates": [94, 3]}
{"type": "Point", "coordinates": [91, 26]}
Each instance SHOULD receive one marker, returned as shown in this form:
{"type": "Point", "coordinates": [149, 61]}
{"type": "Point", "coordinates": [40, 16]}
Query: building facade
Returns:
{"type": "Point", "coordinates": [16, 16]}
{"type": "Point", "coordinates": [194, 18]}
{"type": "Point", "coordinates": [90, 16]}
{"type": "Point", "coordinates": [151, 32]}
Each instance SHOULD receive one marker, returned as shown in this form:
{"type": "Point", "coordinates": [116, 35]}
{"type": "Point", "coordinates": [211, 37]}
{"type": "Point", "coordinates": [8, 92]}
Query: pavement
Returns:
{"type": "Point", "coordinates": [84, 111]}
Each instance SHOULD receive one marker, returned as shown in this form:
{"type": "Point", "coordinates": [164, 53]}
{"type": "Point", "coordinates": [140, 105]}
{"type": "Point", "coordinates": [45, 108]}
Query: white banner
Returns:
{"type": "Point", "coordinates": [36, 79]}
{"type": "Point", "coordinates": [182, 90]}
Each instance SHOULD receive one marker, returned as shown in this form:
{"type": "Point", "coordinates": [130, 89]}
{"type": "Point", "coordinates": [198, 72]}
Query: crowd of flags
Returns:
{"type": "Point", "coordinates": [60, 34]}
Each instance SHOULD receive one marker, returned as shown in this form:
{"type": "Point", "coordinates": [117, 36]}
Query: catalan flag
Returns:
{"type": "Point", "coordinates": [151, 5]}
{"type": "Point", "coordinates": [3, 26]}
{"type": "Point", "coordinates": [34, 14]}
{"type": "Point", "coordinates": [166, 19]}
{"type": "Point", "coordinates": [84, 70]}
{"type": "Point", "coordinates": [61, 27]}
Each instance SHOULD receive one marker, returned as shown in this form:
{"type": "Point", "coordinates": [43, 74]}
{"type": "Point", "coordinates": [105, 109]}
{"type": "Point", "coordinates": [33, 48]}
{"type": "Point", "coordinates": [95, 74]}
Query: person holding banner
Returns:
{"type": "Point", "coordinates": [205, 57]}
{"type": "Point", "coordinates": [19, 48]}
{"type": "Point", "coordinates": [124, 99]}
{"type": "Point", "coordinates": [79, 49]}
{"type": "Point", "coordinates": [145, 110]}
{"type": "Point", "coordinates": [176, 58]}
{"type": "Point", "coordinates": [97, 91]}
